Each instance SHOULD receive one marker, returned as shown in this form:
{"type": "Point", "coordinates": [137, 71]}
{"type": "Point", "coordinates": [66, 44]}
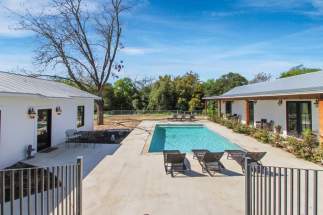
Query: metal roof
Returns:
{"type": "Point", "coordinates": [16, 84]}
{"type": "Point", "coordinates": [310, 83]}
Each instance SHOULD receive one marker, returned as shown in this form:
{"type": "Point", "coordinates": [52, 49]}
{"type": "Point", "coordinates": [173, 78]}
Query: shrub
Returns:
{"type": "Point", "coordinates": [262, 135]}
{"type": "Point", "coordinates": [293, 145]}
{"type": "Point", "coordinates": [308, 146]}
{"type": "Point", "coordinates": [242, 129]}
{"type": "Point", "coordinates": [228, 124]}
{"type": "Point", "coordinates": [318, 155]}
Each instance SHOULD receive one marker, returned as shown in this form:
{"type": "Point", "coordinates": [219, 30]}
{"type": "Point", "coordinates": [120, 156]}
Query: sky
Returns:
{"type": "Point", "coordinates": [209, 37]}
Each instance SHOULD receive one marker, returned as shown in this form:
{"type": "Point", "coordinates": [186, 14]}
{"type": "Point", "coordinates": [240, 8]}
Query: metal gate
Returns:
{"type": "Point", "coordinates": [42, 190]}
{"type": "Point", "coordinates": [283, 191]}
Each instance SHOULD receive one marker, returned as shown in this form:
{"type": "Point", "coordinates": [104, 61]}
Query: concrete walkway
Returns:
{"type": "Point", "coordinates": [92, 155]}
{"type": "Point", "coordinates": [133, 182]}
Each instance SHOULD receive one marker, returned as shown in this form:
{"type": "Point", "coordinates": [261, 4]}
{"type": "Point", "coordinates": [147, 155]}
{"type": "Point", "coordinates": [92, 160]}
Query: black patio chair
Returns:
{"type": "Point", "coordinates": [254, 158]}
{"type": "Point", "coordinates": [210, 162]}
{"type": "Point", "coordinates": [199, 153]}
{"type": "Point", "coordinates": [231, 154]}
{"type": "Point", "coordinates": [174, 161]}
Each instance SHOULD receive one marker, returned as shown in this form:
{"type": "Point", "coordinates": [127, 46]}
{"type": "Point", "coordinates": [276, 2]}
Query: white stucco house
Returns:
{"type": "Point", "coordinates": [37, 112]}
{"type": "Point", "coordinates": [294, 103]}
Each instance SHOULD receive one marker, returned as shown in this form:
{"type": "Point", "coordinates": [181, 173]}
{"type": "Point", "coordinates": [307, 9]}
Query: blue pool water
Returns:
{"type": "Point", "coordinates": [188, 137]}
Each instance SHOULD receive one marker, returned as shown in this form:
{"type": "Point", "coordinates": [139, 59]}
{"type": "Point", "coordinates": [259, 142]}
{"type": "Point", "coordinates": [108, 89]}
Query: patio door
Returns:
{"type": "Point", "coordinates": [44, 129]}
{"type": "Point", "coordinates": [251, 110]}
{"type": "Point", "coordinates": [299, 117]}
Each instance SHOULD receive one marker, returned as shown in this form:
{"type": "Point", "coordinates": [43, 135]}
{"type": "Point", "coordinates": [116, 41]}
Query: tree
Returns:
{"type": "Point", "coordinates": [184, 86]}
{"type": "Point", "coordinates": [223, 84]}
{"type": "Point", "coordinates": [143, 87]}
{"type": "Point", "coordinates": [163, 94]}
{"type": "Point", "coordinates": [109, 97]}
{"type": "Point", "coordinates": [260, 77]}
{"type": "Point", "coordinates": [229, 81]}
{"type": "Point", "coordinates": [210, 88]}
{"type": "Point", "coordinates": [298, 70]}
{"type": "Point", "coordinates": [84, 42]}
{"type": "Point", "coordinates": [124, 92]}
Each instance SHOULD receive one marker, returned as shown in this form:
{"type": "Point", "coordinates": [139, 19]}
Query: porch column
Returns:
{"type": "Point", "coordinates": [247, 112]}
{"type": "Point", "coordinates": [321, 121]}
{"type": "Point", "coordinates": [206, 106]}
{"type": "Point", "coordinates": [219, 108]}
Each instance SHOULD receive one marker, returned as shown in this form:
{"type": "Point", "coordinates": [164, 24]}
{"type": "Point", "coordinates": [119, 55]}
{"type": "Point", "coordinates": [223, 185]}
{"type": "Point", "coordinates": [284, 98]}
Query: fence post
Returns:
{"type": "Point", "coordinates": [79, 183]}
{"type": "Point", "coordinates": [247, 187]}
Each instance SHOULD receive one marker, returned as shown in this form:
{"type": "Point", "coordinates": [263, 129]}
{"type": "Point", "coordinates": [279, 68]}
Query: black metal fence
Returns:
{"type": "Point", "coordinates": [283, 191]}
{"type": "Point", "coordinates": [42, 190]}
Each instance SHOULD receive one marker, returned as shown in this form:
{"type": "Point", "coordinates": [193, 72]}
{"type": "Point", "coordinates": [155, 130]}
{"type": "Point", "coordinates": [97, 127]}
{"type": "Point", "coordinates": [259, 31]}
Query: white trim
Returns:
{"type": "Point", "coordinates": [261, 95]}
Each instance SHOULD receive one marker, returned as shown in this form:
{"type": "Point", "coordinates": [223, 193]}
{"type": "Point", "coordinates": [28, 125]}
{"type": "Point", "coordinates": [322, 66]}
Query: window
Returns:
{"type": "Point", "coordinates": [228, 107]}
{"type": "Point", "coordinates": [80, 116]}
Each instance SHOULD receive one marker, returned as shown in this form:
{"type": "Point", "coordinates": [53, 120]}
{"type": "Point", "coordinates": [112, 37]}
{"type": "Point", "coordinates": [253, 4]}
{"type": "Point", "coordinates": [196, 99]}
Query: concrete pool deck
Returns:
{"type": "Point", "coordinates": [133, 182]}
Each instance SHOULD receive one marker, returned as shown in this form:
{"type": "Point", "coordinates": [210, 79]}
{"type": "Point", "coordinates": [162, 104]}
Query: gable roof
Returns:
{"type": "Point", "coordinates": [310, 83]}
{"type": "Point", "coordinates": [16, 84]}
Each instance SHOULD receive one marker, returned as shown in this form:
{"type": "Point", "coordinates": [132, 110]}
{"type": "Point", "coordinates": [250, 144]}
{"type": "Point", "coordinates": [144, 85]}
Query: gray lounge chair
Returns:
{"type": "Point", "coordinates": [199, 153]}
{"type": "Point", "coordinates": [239, 157]}
{"type": "Point", "coordinates": [210, 161]}
{"type": "Point", "coordinates": [174, 161]}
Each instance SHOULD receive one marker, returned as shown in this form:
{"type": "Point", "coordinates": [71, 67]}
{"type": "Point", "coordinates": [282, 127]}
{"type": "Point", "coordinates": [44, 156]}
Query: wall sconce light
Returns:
{"type": "Point", "coordinates": [280, 102]}
{"type": "Point", "coordinates": [316, 102]}
{"type": "Point", "coordinates": [58, 110]}
{"type": "Point", "coordinates": [31, 113]}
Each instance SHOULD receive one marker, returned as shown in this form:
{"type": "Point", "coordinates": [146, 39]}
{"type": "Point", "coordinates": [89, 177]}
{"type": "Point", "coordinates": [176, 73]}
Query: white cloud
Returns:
{"type": "Point", "coordinates": [9, 9]}
{"type": "Point", "coordinates": [137, 51]}
{"type": "Point", "coordinates": [274, 3]}
{"type": "Point", "coordinates": [306, 7]}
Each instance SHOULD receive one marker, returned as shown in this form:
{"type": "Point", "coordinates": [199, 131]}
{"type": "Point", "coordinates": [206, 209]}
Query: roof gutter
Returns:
{"type": "Point", "coordinates": [313, 94]}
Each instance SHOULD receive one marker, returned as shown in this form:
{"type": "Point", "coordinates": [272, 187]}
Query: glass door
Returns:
{"type": "Point", "coordinates": [251, 108]}
{"type": "Point", "coordinates": [305, 116]}
{"type": "Point", "coordinates": [299, 117]}
{"type": "Point", "coordinates": [44, 124]}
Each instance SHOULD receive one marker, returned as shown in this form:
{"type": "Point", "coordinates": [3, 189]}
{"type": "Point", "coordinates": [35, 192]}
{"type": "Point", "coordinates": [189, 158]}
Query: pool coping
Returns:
{"type": "Point", "coordinates": [145, 149]}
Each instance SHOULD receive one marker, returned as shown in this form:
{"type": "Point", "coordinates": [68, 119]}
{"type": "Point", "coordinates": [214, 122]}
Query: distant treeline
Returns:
{"type": "Point", "coordinates": [178, 93]}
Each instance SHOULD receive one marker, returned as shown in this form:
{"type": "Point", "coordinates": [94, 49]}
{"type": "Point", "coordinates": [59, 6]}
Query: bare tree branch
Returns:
{"type": "Point", "coordinates": [85, 42]}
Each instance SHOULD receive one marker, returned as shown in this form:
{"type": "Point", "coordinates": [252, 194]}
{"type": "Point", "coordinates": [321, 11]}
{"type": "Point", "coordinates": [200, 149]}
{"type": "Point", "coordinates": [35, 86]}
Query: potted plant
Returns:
{"type": "Point", "coordinates": [278, 129]}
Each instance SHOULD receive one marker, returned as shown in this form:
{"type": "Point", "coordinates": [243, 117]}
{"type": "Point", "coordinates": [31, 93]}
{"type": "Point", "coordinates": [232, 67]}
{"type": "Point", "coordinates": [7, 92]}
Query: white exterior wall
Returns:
{"type": "Point", "coordinates": [238, 107]}
{"type": "Point", "coordinates": [270, 110]}
{"type": "Point", "coordinates": [18, 130]}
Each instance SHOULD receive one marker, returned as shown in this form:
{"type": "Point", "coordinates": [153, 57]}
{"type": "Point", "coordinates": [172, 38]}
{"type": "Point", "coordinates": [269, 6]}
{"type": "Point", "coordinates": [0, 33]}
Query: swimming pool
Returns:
{"type": "Point", "coordinates": [188, 137]}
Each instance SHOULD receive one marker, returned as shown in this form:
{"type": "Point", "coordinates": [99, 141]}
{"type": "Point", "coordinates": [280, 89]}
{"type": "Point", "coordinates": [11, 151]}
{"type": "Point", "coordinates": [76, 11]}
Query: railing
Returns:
{"type": "Point", "coordinates": [164, 112]}
{"type": "Point", "coordinates": [280, 190]}
{"type": "Point", "coordinates": [42, 190]}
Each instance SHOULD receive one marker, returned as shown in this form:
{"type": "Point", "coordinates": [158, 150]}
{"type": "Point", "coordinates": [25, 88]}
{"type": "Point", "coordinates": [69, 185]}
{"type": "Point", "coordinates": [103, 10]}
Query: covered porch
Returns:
{"type": "Point", "coordinates": [293, 113]}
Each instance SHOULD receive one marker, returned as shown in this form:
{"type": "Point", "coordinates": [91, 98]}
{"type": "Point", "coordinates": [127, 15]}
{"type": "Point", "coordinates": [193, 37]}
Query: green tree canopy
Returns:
{"type": "Point", "coordinates": [124, 92]}
{"type": "Point", "coordinates": [298, 70]}
{"type": "Point", "coordinates": [224, 83]}
{"type": "Point", "coordinates": [187, 87]}
{"type": "Point", "coordinates": [163, 94]}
